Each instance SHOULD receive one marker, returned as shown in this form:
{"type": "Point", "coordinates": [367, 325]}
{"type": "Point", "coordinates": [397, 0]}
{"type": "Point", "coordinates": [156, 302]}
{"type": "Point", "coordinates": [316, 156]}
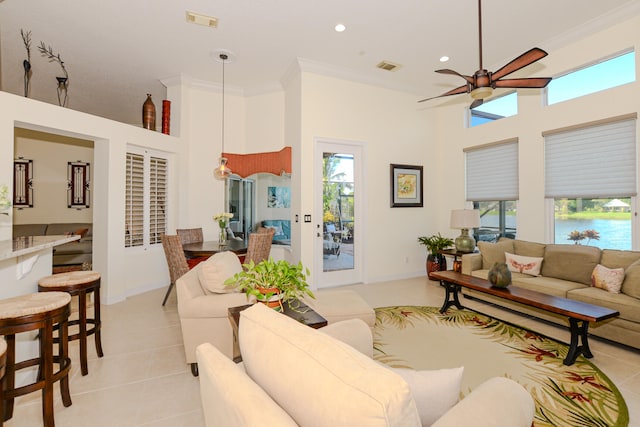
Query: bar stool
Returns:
{"type": "Point", "coordinates": [80, 284]}
{"type": "Point", "coordinates": [36, 312]}
{"type": "Point", "coordinates": [3, 363]}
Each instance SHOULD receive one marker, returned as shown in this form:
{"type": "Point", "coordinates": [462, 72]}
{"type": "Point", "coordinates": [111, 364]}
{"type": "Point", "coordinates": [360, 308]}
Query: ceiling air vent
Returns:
{"type": "Point", "coordinates": [207, 21]}
{"type": "Point", "coordinates": [388, 66]}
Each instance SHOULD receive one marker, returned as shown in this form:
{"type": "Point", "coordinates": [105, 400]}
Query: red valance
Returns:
{"type": "Point", "coordinates": [274, 162]}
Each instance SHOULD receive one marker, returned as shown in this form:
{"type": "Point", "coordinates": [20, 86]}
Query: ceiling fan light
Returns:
{"type": "Point", "coordinates": [481, 92]}
{"type": "Point", "coordinates": [222, 171]}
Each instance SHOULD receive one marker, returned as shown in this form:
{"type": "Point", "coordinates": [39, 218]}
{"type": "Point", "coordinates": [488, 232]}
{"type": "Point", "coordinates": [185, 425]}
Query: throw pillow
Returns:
{"type": "Point", "coordinates": [81, 232]}
{"type": "Point", "coordinates": [524, 264]}
{"type": "Point", "coordinates": [276, 228]}
{"type": "Point", "coordinates": [631, 284]}
{"type": "Point", "coordinates": [609, 279]}
{"type": "Point", "coordinates": [435, 392]}
{"type": "Point", "coordinates": [218, 268]}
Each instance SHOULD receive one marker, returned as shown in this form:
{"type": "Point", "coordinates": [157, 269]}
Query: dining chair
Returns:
{"type": "Point", "coordinates": [259, 245]}
{"type": "Point", "coordinates": [176, 261]}
{"type": "Point", "coordinates": [191, 235]}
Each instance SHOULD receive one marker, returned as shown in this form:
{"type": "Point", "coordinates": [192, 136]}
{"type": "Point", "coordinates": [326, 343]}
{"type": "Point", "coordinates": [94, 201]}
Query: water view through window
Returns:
{"type": "Point", "coordinates": [604, 223]}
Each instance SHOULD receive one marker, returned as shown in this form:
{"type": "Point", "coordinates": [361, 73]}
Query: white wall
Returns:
{"type": "Point", "coordinates": [50, 154]}
{"type": "Point", "coordinates": [532, 119]}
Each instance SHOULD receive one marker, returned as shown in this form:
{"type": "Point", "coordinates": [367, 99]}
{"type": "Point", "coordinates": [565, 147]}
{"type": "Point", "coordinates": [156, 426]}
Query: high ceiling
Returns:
{"type": "Point", "coordinates": [117, 51]}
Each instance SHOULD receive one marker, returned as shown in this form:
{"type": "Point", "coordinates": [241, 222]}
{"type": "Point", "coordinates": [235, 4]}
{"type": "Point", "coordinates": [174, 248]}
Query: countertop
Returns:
{"type": "Point", "coordinates": [30, 244]}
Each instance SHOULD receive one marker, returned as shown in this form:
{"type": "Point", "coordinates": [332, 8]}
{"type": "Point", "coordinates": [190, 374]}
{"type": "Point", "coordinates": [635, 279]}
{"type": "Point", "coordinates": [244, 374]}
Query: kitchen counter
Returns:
{"type": "Point", "coordinates": [30, 244]}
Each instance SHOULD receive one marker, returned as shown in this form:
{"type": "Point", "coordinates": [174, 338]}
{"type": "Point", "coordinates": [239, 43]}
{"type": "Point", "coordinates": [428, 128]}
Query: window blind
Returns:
{"type": "Point", "coordinates": [592, 161]}
{"type": "Point", "coordinates": [492, 172]}
{"type": "Point", "coordinates": [157, 199]}
{"type": "Point", "coordinates": [134, 206]}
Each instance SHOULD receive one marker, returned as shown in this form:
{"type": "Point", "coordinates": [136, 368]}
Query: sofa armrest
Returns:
{"type": "Point", "coordinates": [471, 262]}
{"type": "Point", "coordinates": [482, 408]}
{"type": "Point", "coordinates": [354, 332]}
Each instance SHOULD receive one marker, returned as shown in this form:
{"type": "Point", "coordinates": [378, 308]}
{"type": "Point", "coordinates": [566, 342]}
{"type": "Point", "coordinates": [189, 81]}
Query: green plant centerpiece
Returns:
{"type": "Point", "coordinates": [273, 282]}
{"type": "Point", "coordinates": [434, 244]}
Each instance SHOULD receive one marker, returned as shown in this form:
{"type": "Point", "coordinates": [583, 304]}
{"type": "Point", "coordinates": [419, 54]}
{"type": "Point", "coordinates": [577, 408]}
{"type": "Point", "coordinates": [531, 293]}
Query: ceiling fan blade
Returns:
{"type": "Point", "coordinates": [476, 103]}
{"type": "Point", "coordinates": [455, 73]}
{"type": "Point", "coordinates": [521, 61]}
{"type": "Point", "coordinates": [456, 91]}
{"type": "Point", "coordinates": [533, 82]}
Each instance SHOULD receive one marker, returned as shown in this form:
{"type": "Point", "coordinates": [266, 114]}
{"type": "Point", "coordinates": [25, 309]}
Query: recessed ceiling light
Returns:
{"type": "Point", "coordinates": [444, 58]}
{"type": "Point", "coordinates": [340, 28]}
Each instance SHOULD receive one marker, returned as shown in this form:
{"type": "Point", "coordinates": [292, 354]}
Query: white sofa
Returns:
{"type": "Point", "coordinates": [203, 307]}
{"type": "Point", "coordinates": [294, 375]}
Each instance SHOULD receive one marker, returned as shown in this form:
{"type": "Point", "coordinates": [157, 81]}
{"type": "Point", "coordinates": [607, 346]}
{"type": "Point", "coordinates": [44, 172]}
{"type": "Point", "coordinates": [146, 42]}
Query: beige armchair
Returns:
{"type": "Point", "coordinates": [203, 313]}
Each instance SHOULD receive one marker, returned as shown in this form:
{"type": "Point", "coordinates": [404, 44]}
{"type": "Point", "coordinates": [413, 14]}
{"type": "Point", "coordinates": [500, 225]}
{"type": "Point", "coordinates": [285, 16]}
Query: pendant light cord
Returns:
{"type": "Point", "coordinates": [224, 57]}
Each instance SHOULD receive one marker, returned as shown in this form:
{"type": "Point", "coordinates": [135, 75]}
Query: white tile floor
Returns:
{"type": "Point", "coordinates": [143, 379]}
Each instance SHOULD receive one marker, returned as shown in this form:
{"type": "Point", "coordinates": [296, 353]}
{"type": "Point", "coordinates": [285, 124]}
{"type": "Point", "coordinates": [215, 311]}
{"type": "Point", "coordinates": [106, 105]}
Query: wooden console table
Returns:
{"type": "Point", "coordinates": [303, 314]}
{"type": "Point", "coordinates": [578, 312]}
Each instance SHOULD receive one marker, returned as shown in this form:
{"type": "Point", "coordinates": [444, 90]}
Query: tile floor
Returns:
{"type": "Point", "coordinates": [143, 379]}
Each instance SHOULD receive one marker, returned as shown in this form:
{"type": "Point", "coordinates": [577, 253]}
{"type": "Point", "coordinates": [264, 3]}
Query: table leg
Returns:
{"type": "Point", "coordinates": [579, 332]}
{"type": "Point", "coordinates": [451, 296]}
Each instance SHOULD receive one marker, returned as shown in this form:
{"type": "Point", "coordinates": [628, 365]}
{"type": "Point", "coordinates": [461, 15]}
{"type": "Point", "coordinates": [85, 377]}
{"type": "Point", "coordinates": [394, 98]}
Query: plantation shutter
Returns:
{"type": "Point", "coordinates": [592, 161]}
{"type": "Point", "coordinates": [492, 172]}
{"type": "Point", "coordinates": [134, 205]}
{"type": "Point", "coordinates": [157, 199]}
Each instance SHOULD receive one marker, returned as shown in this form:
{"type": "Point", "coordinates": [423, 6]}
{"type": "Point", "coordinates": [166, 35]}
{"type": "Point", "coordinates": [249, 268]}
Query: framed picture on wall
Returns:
{"type": "Point", "coordinates": [406, 186]}
{"type": "Point", "coordinates": [23, 183]}
{"type": "Point", "coordinates": [78, 185]}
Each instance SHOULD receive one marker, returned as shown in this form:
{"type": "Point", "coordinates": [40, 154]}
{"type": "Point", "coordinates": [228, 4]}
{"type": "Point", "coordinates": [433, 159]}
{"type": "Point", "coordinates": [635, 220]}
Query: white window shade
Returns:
{"type": "Point", "coordinates": [492, 172]}
{"type": "Point", "coordinates": [592, 161]}
{"type": "Point", "coordinates": [134, 206]}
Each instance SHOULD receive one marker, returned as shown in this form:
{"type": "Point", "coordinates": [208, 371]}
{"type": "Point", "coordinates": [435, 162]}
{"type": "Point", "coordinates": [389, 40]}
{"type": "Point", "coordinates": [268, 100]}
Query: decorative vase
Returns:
{"type": "Point", "coordinates": [149, 114]}
{"type": "Point", "coordinates": [166, 117]}
{"type": "Point", "coordinates": [435, 262]}
{"type": "Point", "coordinates": [63, 83]}
{"type": "Point", "coordinates": [499, 275]}
{"type": "Point", "coordinates": [222, 236]}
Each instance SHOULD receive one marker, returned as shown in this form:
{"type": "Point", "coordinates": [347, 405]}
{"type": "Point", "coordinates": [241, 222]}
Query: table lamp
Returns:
{"type": "Point", "coordinates": [464, 219]}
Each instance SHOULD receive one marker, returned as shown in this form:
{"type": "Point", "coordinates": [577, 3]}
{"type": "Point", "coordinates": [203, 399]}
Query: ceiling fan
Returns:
{"type": "Point", "coordinates": [482, 83]}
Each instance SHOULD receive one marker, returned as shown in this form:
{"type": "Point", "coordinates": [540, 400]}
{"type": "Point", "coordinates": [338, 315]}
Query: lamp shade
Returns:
{"type": "Point", "coordinates": [465, 218]}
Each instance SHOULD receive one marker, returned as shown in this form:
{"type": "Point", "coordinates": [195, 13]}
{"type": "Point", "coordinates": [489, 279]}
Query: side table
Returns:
{"type": "Point", "coordinates": [457, 263]}
{"type": "Point", "coordinates": [303, 314]}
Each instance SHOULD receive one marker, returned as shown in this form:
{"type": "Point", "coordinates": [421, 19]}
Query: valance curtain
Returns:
{"type": "Point", "coordinates": [492, 172]}
{"type": "Point", "coordinates": [592, 161]}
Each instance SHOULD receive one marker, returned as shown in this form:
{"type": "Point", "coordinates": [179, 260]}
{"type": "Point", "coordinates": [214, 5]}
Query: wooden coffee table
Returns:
{"type": "Point", "coordinates": [579, 313]}
{"type": "Point", "coordinates": [303, 314]}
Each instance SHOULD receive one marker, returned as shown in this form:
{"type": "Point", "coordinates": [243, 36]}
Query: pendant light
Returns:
{"type": "Point", "coordinates": [222, 171]}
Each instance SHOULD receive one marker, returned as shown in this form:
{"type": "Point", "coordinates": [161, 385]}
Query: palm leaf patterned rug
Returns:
{"type": "Point", "coordinates": [574, 396]}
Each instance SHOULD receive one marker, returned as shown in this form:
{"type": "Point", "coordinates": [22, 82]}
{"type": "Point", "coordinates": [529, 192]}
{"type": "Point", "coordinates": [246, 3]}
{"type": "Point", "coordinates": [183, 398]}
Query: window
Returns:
{"type": "Point", "coordinates": [492, 186]}
{"type": "Point", "coordinates": [593, 78]}
{"type": "Point", "coordinates": [590, 174]}
{"type": "Point", "coordinates": [146, 199]}
{"type": "Point", "coordinates": [495, 109]}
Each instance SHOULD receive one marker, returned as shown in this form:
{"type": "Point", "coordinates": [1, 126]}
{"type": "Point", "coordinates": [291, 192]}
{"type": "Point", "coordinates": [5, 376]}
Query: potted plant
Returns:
{"type": "Point", "coordinates": [435, 260]}
{"type": "Point", "coordinates": [273, 282]}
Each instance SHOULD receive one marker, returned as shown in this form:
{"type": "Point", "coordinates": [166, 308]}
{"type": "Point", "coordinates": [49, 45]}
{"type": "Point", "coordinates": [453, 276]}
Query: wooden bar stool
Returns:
{"type": "Point", "coordinates": [80, 284]}
{"type": "Point", "coordinates": [3, 363]}
{"type": "Point", "coordinates": [36, 312]}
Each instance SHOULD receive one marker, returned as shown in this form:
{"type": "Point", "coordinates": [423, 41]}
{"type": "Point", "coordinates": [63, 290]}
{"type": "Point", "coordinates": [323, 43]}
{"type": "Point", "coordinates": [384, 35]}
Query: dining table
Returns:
{"type": "Point", "coordinates": [210, 247]}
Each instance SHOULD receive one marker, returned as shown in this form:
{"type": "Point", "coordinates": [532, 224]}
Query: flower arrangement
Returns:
{"type": "Point", "coordinates": [577, 236]}
{"type": "Point", "coordinates": [223, 219]}
{"type": "Point", "coordinates": [5, 201]}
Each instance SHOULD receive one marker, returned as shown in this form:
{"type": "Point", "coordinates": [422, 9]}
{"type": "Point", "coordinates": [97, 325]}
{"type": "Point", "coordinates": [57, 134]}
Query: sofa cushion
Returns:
{"type": "Point", "coordinates": [282, 228]}
{"type": "Point", "coordinates": [628, 307]}
{"type": "Point", "coordinates": [224, 386]}
{"type": "Point", "coordinates": [494, 252]}
{"type": "Point", "coordinates": [609, 279]}
{"type": "Point", "coordinates": [435, 392]}
{"type": "Point", "coordinates": [319, 380]}
{"type": "Point", "coordinates": [613, 258]}
{"type": "Point", "coordinates": [524, 264]}
{"type": "Point", "coordinates": [547, 285]}
{"type": "Point", "coordinates": [524, 248]}
{"type": "Point", "coordinates": [21, 230]}
{"type": "Point", "coordinates": [570, 262]}
{"type": "Point", "coordinates": [216, 270]}
{"type": "Point", "coordinates": [631, 284]}
{"type": "Point", "coordinates": [56, 229]}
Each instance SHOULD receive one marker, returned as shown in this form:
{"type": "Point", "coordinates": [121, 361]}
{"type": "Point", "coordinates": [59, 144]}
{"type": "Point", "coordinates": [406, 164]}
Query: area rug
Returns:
{"type": "Point", "coordinates": [422, 338]}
